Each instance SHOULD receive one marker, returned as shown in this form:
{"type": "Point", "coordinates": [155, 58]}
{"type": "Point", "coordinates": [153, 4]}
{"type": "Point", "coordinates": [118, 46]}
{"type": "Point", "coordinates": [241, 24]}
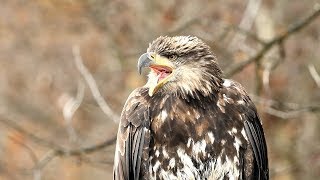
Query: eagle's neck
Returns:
{"type": "Point", "coordinates": [194, 78]}
{"type": "Point", "coordinates": [203, 78]}
{"type": "Point", "coordinates": [203, 87]}
{"type": "Point", "coordinates": [195, 85]}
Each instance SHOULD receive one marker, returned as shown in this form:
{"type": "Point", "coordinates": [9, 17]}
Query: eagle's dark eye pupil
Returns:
{"type": "Point", "coordinates": [172, 56]}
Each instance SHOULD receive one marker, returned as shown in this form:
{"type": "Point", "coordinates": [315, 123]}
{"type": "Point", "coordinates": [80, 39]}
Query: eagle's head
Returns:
{"type": "Point", "coordinates": [181, 65]}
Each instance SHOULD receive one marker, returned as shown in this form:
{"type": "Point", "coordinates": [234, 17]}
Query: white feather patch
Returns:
{"type": "Point", "coordinates": [189, 171]}
{"type": "Point", "coordinates": [243, 132]}
{"type": "Point", "coordinates": [228, 168]}
{"type": "Point", "coordinates": [211, 137]}
{"type": "Point", "coordinates": [199, 147]}
{"type": "Point", "coordinates": [227, 83]}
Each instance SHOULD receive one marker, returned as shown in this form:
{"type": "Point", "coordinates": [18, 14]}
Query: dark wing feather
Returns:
{"type": "Point", "coordinates": [254, 131]}
{"type": "Point", "coordinates": [132, 139]}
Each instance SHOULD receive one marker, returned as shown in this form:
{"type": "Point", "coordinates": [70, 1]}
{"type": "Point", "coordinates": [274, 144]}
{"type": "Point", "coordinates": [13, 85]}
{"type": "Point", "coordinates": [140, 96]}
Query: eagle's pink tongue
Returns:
{"type": "Point", "coordinates": [162, 75]}
{"type": "Point", "coordinates": [162, 72]}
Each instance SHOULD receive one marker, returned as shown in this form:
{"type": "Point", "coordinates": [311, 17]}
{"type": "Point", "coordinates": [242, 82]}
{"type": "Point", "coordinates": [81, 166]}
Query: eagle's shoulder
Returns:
{"type": "Point", "coordinates": [231, 86]}
{"type": "Point", "coordinates": [135, 96]}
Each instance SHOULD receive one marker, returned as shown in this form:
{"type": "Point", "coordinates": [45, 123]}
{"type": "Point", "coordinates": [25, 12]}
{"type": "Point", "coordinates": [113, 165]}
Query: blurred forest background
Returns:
{"type": "Point", "coordinates": [67, 67]}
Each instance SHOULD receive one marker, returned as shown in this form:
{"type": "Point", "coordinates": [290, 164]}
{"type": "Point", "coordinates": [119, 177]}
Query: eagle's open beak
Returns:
{"type": "Point", "coordinates": [161, 69]}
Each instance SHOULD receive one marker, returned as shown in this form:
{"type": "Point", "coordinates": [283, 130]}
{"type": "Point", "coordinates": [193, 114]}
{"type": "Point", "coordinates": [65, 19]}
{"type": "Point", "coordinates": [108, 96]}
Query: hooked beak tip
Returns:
{"type": "Point", "coordinates": [144, 61]}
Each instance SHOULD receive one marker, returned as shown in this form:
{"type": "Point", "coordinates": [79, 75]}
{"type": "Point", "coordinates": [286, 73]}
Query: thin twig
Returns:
{"type": "Point", "coordinates": [32, 154]}
{"type": "Point", "coordinates": [70, 108]}
{"type": "Point", "coordinates": [93, 85]}
{"type": "Point", "coordinates": [45, 160]}
{"type": "Point", "coordinates": [295, 27]}
{"type": "Point", "coordinates": [258, 78]}
{"type": "Point", "coordinates": [29, 149]}
{"type": "Point", "coordinates": [314, 74]}
{"type": "Point", "coordinates": [98, 164]}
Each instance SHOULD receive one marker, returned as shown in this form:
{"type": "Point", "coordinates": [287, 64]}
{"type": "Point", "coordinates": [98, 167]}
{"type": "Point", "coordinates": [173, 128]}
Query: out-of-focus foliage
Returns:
{"type": "Point", "coordinates": [39, 77]}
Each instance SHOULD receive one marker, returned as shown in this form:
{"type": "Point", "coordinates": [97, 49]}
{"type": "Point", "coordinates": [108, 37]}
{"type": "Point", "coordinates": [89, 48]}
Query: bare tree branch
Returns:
{"type": "Point", "coordinates": [56, 150]}
{"type": "Point", "coordinates": [288, 110]}
{"type": "Point", "coordinates": [249, 34]}
{"type": "Point", "coordinates": [246, 22]}
{"type": "Point", "coordinates": [86, 150]}
{"type": "Point", "coordinates": [92, 85]}
{"type": "Point", "coordinates": [28, 134]}
{"type": "Point", "coordinates": [293, 28]}
{"type": "Point", "coordinates": [184, 25]}
{"type": "Point", "coordinates": [281, 114]}
{"type": "Point", "coordinates": [266, 76]}
{"type": "Point", "coordinates": [73, 152]}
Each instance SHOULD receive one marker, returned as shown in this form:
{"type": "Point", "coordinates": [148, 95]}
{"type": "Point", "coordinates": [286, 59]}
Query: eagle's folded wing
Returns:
{"type": "Point", "coordinates": [133, 138]}
{"type": "Point", "coordinates": [254, 131]}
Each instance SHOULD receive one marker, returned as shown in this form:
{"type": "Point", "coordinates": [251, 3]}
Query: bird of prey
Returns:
{"type": "Point", "coordinates": [187, 121]}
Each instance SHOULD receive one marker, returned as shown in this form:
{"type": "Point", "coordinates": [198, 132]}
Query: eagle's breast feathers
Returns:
{"type": "Point", "coordinates": [201, 138]}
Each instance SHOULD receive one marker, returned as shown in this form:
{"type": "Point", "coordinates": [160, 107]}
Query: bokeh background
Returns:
{"type": "Point", "coordinates": [67, 67]}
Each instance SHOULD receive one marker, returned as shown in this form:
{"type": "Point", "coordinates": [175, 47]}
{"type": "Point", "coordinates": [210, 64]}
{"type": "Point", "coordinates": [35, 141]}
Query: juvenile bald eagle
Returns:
{"type": "Point", "coordinates": [188, 122]}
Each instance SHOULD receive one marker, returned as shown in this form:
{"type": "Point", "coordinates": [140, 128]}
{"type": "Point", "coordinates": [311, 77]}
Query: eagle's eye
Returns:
{"type": "Point", "coordinates": [172, 56]}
